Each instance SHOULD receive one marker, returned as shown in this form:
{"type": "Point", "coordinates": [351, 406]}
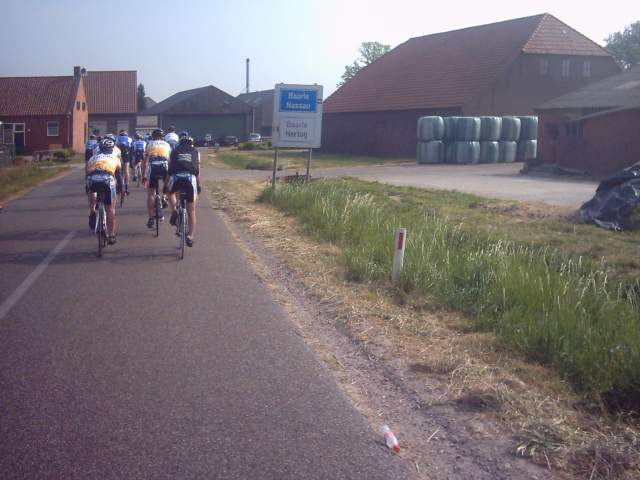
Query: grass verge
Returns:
{"type": "Point", "coordinates": [17, 178]}
{"type": "Point", "coordinates": [555, 308]}
{"type": "Point", "coordinates": [295, 159]}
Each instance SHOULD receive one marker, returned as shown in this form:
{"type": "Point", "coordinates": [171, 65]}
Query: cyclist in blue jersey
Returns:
{"type": "Point", "coordinates": [123, 142]}
{"type": "Point", "coordinates": [139, 146]}
{"type": "Point", "coordinates": [90, 147]}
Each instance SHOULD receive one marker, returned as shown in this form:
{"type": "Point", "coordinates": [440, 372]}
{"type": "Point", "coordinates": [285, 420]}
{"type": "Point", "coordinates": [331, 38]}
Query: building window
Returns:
{"type": "Point", "coordinates": [77, 104]}
{"type": "Point", "coordinates": [566, 68]}
{"type": "Point", "coordinates": [544, 67]}
{"type": "Point", "coordinates": [586, 68]}
{"type": "Point", "coordinates": [53, 129]}
{"type": "Point", "coordinates": [84, 106]}
{"type": "Point", "coordinates": [7, 133]}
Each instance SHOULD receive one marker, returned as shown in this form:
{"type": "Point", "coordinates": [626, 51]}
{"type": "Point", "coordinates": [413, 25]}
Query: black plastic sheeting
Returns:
{"type": "Point", "coordinates": [614, 201]}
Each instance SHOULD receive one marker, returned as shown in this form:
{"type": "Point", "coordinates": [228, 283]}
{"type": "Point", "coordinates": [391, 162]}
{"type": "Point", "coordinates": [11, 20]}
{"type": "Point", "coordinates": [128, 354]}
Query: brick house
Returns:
{"type": "Point", "coordinates": [261, 104]}
{"type": "Point", "coordinates": [504, 68]}
{"type": "Point", "coordinates": [593, 129]}
{"type": "Point", "coordinates": [112, 99]}
{"type": "Point", "coordinates": [201, 111]}
{"type": "Point", "coordinates": [44, 113]}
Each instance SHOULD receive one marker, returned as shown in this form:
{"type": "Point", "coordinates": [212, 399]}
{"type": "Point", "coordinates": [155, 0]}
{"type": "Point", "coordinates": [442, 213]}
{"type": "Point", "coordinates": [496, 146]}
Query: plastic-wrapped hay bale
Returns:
{"type": "Point", "coordinates": [490, 128]}
{"type": "Point", "coordinates": [489, 152]}
{"type": "Point", "coordinates": [450, 152]}
{"type": "Point", "coordinates": [431, 152]}
{"type": "Point", "coordinates": [467, 152]}
{"type": "Point", "coordinates": [450, 127]}
{"type": "Point", "coordinates": [528, 128]}
{"type": "Point", "coordinates": [430, 128]}
{"type": "Point", "coordinates": [467, 129]}
{"type": "Point", "coordinates": [510, 131]}
{"type": "Point", "coordinates": [507, 151]}
{"type": "Point", "coordinates": [527, 150]}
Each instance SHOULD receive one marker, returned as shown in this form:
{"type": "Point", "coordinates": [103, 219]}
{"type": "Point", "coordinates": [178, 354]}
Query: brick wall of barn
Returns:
{"type": "Point", "coordinates": [378, 134]}
{"type": "Point", "coordinates": [36, 131]}
{"type": "Point", "coordinates": [599, 145]}
{"type": "Point", "coordinates": [522, 87]}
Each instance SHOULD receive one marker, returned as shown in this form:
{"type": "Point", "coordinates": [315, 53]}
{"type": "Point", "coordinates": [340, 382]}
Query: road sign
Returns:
{"type": "Point", "coordinates": [297, 116]}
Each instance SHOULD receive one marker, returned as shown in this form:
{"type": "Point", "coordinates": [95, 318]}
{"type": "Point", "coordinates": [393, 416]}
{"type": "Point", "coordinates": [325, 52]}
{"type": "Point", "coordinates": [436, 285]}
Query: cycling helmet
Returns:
{"type": "Point", "coordinates": [138, 137]}
{"type": "Point", "coordinates": [92, 137]}
{"type": "Point", "coordinates": [111, 136]}
{"type": "Point", "coordinates": [107, 143]}
{"type": "Point", "coordinates": [122, 132]}
{"type": "Point", "coordinates": [99, 139]}
{"type": "Point", "coordinates": [185, 139]}
{"type": "Point", "coordinates": [171, 129]}
{"type": "Point", "coordinates": [183, 133]}
{"type": "Point", "coordinates": [157, 134]}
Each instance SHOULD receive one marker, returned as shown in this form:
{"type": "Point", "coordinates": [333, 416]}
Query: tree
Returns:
{"type": "Point", "coordinates": [369, 53]}
{"type": "Point", "coordinates": [625, 45]}
{"type": "Point", "coordinates": [141, 96]}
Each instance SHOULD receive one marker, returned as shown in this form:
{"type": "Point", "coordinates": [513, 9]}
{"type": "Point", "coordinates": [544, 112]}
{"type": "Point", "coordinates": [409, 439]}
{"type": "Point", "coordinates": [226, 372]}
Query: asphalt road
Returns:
{"type": "Point", "coordinates": [141, 366]}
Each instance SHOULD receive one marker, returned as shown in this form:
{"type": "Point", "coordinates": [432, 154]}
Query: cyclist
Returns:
{"type": "Point", "coordinates": [100, 173]}
{"type": "Point", "coordinates": [123, 142]}
{"type": "Point", "coordinates": [184, 174]}
{"type": "Point", "coordinates": [171, 137]}
{"type": "Point", "coordinates": [156, 166]}
{"type": "Point", "coordinates": [138, 148]}
{"type": "Point", "coordinates": [91, 145]}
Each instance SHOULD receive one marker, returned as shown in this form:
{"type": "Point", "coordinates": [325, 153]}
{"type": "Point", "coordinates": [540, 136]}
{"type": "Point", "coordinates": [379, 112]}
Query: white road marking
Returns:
{"type": "Point", "coordinates": [8, 304]}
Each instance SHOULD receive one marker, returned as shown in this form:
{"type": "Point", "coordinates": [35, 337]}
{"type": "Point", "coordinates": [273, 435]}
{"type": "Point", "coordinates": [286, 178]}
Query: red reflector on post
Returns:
{"type": "Point", "coordinates": [400, 240]}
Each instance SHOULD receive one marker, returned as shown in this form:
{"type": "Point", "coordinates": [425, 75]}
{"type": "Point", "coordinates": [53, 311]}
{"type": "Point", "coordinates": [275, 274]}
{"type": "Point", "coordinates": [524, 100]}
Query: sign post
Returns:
{"type": "Point", "coordinates": [297, 120]}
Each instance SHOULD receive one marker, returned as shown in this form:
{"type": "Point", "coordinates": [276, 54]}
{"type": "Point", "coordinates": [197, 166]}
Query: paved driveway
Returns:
{"type": "Point", "coordinates": [493, 180]}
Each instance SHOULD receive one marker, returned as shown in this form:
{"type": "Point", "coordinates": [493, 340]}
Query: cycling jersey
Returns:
{"type": "Point", "coordinates": [105, 162]}
{"type": "Point", "coordinates": [185, 158]}
{"type": "Point", "coordinates": [92, 143]}
{"type": "Point", "coordinates": [123, 141]}
{"type": "Point", "coordinates": [139, 145]}
{"type": "Point", "coordinates": [158, 148]}
{"type": "Point", "coordinates": [172, 139]}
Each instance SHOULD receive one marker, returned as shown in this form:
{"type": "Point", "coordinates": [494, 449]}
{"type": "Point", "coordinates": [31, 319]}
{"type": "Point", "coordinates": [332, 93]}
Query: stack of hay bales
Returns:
{"type": "Point", "coordinates": [464, 140]}
{"type": "Point", "coordinates": [430, 144]}
{"type": "Point", "coordinates": [528, 141]}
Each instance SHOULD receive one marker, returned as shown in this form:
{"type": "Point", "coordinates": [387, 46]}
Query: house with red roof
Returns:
{"type": "Point", "coordinates": [504, 68]}
{"type": "Point", "coordinates": [593, 129]}
{"type": "Point", "coordinates": [44, 113]}
{"type": "Point", "coordinates": [112, 100]}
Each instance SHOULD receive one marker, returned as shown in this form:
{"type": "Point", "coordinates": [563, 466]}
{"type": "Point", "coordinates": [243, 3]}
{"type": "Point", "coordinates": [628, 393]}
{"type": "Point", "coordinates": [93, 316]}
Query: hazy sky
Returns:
{"type": "Point", "coordinates": [177, 45]}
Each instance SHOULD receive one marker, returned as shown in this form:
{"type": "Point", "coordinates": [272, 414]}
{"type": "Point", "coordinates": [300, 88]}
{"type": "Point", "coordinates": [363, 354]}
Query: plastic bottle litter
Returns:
{"type": "Point", "coordinates": [390, 439]}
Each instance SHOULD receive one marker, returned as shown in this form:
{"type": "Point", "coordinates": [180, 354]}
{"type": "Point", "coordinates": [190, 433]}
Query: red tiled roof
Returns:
{"type": "Point", "coordinates": [36, 95]}
{"type": "Point", "coordinates": [111, 91]}
{"type": "Point", "coordinates": [557, 38]}
{"type": "Point", "coordinates": [447, 69]}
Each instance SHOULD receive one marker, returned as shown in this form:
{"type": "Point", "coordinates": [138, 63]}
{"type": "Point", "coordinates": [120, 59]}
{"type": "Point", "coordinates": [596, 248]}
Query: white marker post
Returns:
{"type": "Point", "coordinates": [398, 254]}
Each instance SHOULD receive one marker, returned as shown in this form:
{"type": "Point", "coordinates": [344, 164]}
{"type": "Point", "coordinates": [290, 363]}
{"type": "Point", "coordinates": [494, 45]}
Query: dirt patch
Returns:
{"type": "Point", "coordinates": [461, 405]}
{"type": "Point", "coordinates": [530, 210]}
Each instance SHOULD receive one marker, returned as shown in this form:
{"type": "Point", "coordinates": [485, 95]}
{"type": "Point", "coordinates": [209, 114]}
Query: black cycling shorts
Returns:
{"type": "Point", "coordinates": [138, 156]}
{"type": "Point", "coordinates": [102, 182]}
{"type": "Point", "coordinates": [156, 170]}
{"type": "Point", "coordinates": [126, 158]}
{"type": "Point", "coordinates": [184, 182]}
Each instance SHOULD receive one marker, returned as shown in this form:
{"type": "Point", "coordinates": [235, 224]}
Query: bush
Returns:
{"type": "Point", "coordinates": [63, 155]}
{"type": "Point", "coordinates": [247, 146]}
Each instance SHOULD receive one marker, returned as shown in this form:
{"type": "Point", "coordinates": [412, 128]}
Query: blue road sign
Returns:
{"type": "Point", "coordinates": [298, 101]}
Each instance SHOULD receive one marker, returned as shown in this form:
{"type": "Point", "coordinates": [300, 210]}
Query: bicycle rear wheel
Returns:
{"type": "Point", "coordinates": [158, 213]}
{"type": "Point", "coordinates": [100, 230]}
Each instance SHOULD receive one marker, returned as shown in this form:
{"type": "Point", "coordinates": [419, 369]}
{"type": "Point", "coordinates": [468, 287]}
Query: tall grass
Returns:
{"type": "Point", "coordinates": [553, 308]}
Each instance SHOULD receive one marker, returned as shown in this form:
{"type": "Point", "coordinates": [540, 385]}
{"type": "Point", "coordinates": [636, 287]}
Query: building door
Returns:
{"type": "Point", "coordinates": [19, 139]}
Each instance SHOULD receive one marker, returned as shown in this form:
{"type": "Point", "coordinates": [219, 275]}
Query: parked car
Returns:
{"type": "Point", "coordinates": [228, 141]}
{"type": "Point", "coordinates": [204, 141]}
{"type": "Point", "coordinates": [254, 137]}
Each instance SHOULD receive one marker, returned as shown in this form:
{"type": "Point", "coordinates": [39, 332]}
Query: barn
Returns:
{"type": "Point", "coordinates": [261, 103]}
{"type": "Point", "coordinates": [504, 68]}
{"type": "Point", "coordinates": [206, 110]}
{"type": "Point", "coordinates": [593, 129]}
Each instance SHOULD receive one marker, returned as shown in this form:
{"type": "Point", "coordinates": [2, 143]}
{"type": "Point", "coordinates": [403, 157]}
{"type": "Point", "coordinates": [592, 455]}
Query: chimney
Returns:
{"type": "Point", "coordinates": [76, 72]}
{"type": "Point", "coordinates": [247, 75]}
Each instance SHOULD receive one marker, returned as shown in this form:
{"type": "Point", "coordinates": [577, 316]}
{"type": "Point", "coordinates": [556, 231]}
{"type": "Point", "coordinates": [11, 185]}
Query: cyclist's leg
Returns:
{"type": "Point", "coordinates": [192, 198]}
{"type": "Point", "coordinates": [125, 168]}
{"type": "Point", "coordinates": [110, 206]}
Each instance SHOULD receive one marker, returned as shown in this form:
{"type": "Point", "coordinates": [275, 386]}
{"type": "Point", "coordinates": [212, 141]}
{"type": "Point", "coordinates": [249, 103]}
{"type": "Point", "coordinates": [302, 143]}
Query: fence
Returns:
{"type": "Point", "coordinates": [7, 155]}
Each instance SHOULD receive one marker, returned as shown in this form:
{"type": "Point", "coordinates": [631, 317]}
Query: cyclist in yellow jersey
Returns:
{"type": "Point", "coordinates": [101, 172]}
{"type": "Point", "coordinates": [156, 167]}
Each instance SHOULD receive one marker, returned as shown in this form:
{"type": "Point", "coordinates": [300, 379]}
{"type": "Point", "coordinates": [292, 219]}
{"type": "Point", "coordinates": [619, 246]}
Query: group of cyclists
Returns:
{"type": "Point", "coordinates": [170, 158]}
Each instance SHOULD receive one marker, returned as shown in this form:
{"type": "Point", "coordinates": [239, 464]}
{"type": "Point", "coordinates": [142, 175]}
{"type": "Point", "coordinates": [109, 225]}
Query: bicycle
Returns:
{"type": "Point", "coordinates": [137, 172]}
{"type": "Point", "coordinates": [182, 224]}
{"type": "Point", "coordinates": [157, 201]}
{"type": "Point", "coordinates": [101, 223]}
